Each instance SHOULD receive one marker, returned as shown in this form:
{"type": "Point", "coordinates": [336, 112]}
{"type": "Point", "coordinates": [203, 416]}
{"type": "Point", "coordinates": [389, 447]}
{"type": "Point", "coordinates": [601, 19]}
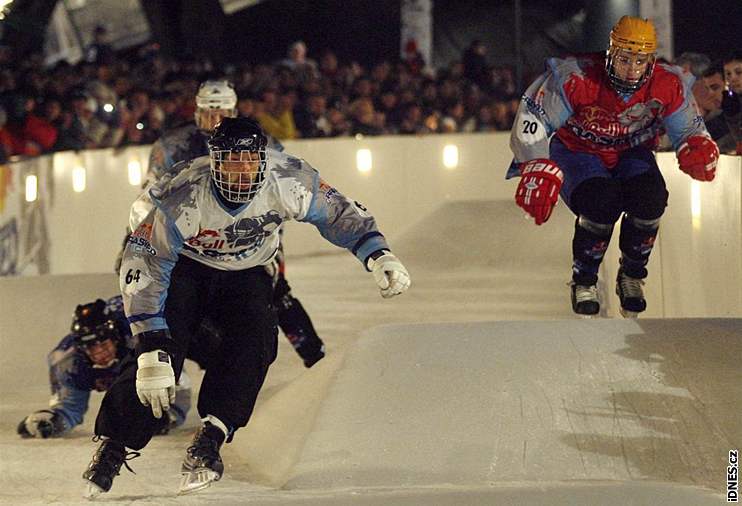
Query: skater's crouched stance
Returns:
{"type": "Point", "coordinates": [585, 130]}
{"type": "Point", "coordinates": [198, 250]}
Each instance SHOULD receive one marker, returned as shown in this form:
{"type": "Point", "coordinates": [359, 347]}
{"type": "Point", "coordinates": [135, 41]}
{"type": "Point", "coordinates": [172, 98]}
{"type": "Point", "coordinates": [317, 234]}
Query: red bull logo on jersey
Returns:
{"type": "Point", "coordinates": [598, 120]}
{"type": "Point", "coordinates": [237, 241]}
{"type": "Point", "coordinates": [631, 127]}
{"type": "Point", "coordinates": [207, 239]}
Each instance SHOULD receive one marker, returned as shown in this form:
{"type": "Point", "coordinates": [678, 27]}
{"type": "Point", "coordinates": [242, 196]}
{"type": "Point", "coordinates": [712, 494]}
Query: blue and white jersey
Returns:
{"type": "Point", "coordinates": [182, 144]}
{"type": "Point", "coordinates": [73, 376]}
{"type": "Point", "coordinates": [184, 216]}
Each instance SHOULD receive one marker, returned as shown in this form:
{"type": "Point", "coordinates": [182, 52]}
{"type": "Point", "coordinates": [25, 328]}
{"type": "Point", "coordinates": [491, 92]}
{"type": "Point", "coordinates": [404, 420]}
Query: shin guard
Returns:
{"type": "Point", "coordinates": [589, 245]}
{"type": "Point", "coordinates": [636, 242]}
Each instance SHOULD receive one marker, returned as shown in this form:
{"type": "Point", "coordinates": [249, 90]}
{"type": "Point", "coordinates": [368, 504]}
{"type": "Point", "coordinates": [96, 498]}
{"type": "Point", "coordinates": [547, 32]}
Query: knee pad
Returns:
{"type": "Point", "coordinates": [599, 229]}
{"type": "Point", "coordinates": [641, 224]}
{"type": "Point", "coordinates": [645, 196]}
{"type": "Point", "coordinates": [598, 200]}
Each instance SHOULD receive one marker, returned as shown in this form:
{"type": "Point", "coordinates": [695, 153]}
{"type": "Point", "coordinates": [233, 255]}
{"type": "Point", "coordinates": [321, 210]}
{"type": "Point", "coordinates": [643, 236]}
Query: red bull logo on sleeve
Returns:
{"type": "Point", "coordinates": [144, 231]}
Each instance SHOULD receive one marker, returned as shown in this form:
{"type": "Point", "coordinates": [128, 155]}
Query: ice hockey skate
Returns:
{"type": "Point", "coordinates": [631, 295]}
{"type": "Point", "coordinates": [585, 301]}
{"type": "Point", "coordinates": [202, 464]}
{"type": "Point", "coordinates": [105, 466]}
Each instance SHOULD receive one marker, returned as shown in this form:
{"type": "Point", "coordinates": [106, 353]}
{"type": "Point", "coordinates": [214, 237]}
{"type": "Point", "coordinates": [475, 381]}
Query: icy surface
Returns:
{"type": "Point", "coordinates": [476, 387]}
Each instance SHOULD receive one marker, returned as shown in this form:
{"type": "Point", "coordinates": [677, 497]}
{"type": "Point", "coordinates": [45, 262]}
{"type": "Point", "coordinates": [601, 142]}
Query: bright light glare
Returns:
{"type": "Point", "coordinates": [135, 173]}
{"type": "Point", "coordinates": [450, 156]}
{"type": "Point", "coordinates": [695, 203]}
{"type": "Point", "coordinates": [32, 188]}
{"type": "Point", "coordinates": [108, 107]}
{"type": "Point", "coordinates": [3, 5]}
{"type": "Point", "coordinates": [364, 161]}
{"type": "Point", "coordinates": [78, 179]}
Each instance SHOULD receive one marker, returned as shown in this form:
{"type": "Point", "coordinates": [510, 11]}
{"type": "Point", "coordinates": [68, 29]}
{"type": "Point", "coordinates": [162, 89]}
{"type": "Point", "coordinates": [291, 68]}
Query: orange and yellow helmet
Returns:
{"type": "Point", "coordinates": [631, 36]}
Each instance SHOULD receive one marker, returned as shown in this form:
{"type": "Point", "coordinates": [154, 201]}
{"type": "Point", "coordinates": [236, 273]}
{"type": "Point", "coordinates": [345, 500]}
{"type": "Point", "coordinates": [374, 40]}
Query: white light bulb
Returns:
{"type": "Point", "coordinates": [695, 203]}
{"type": "Point", "coordinates": [450, 156]}
{"type": "Point", "coordinates": [32, 188]}
{"type": "Point", "coordinates": [78, 179]}
{"type": "Point", "coordinates": [364, 161]}
{"type": "Point", "coordinates": [135, 173]}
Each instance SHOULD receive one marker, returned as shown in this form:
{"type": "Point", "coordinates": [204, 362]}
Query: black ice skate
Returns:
{"type": "Point", "coordinates": [202, 464]}
{"type": "Point", "coordinates": [585, 300]}
{"type": "Point", "coordinates": [629, 291]}
{"type": "Point", "coordinates": [105, 467]}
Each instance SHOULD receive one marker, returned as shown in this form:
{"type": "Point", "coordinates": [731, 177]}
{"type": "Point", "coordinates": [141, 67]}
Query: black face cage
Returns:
{"type": "Point", "coordinates": [243, 187]}
{"type": "Point", "coordinates": [624, 86]}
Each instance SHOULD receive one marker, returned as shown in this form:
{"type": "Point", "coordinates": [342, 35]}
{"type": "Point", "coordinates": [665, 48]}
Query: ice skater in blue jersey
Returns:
{"type": "Point", "coordinates": [216, 100]}
{"type": "Point", "coordinates": [88, 359]}
{"type": "Point", "coordinates": [198, 252]}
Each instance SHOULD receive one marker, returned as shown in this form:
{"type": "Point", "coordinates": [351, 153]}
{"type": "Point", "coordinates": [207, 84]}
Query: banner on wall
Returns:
{"type": "Point", "coordinates": [416, 36]}
{"type": "Point", "coordinates": [24, 237]}
{"type": "Point", "coordinates": [660, 12]}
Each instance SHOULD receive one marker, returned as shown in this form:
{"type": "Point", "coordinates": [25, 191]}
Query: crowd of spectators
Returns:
{"type": "Point", "coordinates": [110, 101]}
{"type": "Point", "coordinates": [718, 93]}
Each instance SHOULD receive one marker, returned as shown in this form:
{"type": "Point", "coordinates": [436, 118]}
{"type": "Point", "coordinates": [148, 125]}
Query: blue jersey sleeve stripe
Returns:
{"type": "Point", "coordinates": [363, 240]}
{"type": "Point", "coordinates": [312, 215]}
{"type": "Point", "coordinates": [145, 316]}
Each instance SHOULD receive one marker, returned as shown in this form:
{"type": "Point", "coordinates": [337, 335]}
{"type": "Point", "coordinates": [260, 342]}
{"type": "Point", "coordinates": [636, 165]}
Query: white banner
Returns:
{"type": "Point", "coordinates": [61, 41]}
{"type": "Point", "coordinates": [417, 29]}
{"type": "Point", "coordinates": [24, 235]}
{"type": "Point", "coordinates": [660, 12]}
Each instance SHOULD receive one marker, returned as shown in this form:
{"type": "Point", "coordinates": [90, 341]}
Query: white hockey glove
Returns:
{"type": "Point", "coordinates": [390, 275]}
{"type": "Point", "coordinates": [155, 381]}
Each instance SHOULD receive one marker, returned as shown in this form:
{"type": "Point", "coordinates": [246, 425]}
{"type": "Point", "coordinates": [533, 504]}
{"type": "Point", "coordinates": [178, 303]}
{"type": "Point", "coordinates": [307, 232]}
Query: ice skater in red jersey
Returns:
{"type": "Point", "coordinates": [586, 130]}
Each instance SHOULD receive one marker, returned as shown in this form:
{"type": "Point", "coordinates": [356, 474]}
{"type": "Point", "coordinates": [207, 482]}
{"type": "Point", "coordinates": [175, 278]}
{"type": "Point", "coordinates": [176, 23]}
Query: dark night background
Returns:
{"type": "Point", "coordinates": [368, 30]}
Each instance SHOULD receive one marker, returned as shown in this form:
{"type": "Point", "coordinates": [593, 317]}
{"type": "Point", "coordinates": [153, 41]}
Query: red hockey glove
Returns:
{"type": "Point", "coordinates": [538, 190]}
{"type": "Point", "coordinates": [698, 156]}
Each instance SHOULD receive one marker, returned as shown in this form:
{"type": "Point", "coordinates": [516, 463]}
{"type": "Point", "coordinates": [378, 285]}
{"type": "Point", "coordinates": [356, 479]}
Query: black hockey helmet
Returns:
{"type": "Point", "coordinates": [92, 323]}
{"type": "Point", "coordinates": [238, 158]}
{"type": "Point", "coordinates": [238, 134]}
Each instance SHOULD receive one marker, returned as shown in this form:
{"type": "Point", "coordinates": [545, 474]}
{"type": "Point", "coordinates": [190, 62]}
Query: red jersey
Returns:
{"type": "Point", "coordinates": [575, 101]}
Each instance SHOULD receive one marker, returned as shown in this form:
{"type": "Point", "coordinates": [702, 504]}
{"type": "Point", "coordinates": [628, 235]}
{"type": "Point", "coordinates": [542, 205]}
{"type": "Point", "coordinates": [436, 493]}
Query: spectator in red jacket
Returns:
{"type": "Point", "coordinates": [25, 133]}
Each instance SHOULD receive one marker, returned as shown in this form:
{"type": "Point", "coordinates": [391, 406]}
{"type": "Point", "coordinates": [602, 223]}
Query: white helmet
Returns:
{"type": "Point", "coordinates": [216, 99]}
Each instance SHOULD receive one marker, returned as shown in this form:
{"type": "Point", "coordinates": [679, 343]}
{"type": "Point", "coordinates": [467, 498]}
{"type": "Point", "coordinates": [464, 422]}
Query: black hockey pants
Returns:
{"type": "Point", "coordinates": [238, 305]}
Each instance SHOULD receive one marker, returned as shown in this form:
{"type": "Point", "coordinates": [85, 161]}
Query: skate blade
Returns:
{"type": "Point", "coordinates": [91, 490]}
{"type": "Point", "coordinates": [193, 481]}
{"type": "Point", "coordinates": [628, 314]}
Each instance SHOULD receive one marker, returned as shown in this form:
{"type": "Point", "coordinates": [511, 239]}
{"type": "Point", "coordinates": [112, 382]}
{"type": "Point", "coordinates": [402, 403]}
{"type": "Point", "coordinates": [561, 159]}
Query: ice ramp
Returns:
{"type": "Point", "coordinates": [623, 411]}
{"type": "Point", "coordinates": [488, 233]}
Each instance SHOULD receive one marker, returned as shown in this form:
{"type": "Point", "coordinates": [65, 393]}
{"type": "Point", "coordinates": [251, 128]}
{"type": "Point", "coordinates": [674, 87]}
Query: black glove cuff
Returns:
{"type": "Point", "coordinates": [374, 256]}
{"type": "Point", "coordinates": [156, 340]}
